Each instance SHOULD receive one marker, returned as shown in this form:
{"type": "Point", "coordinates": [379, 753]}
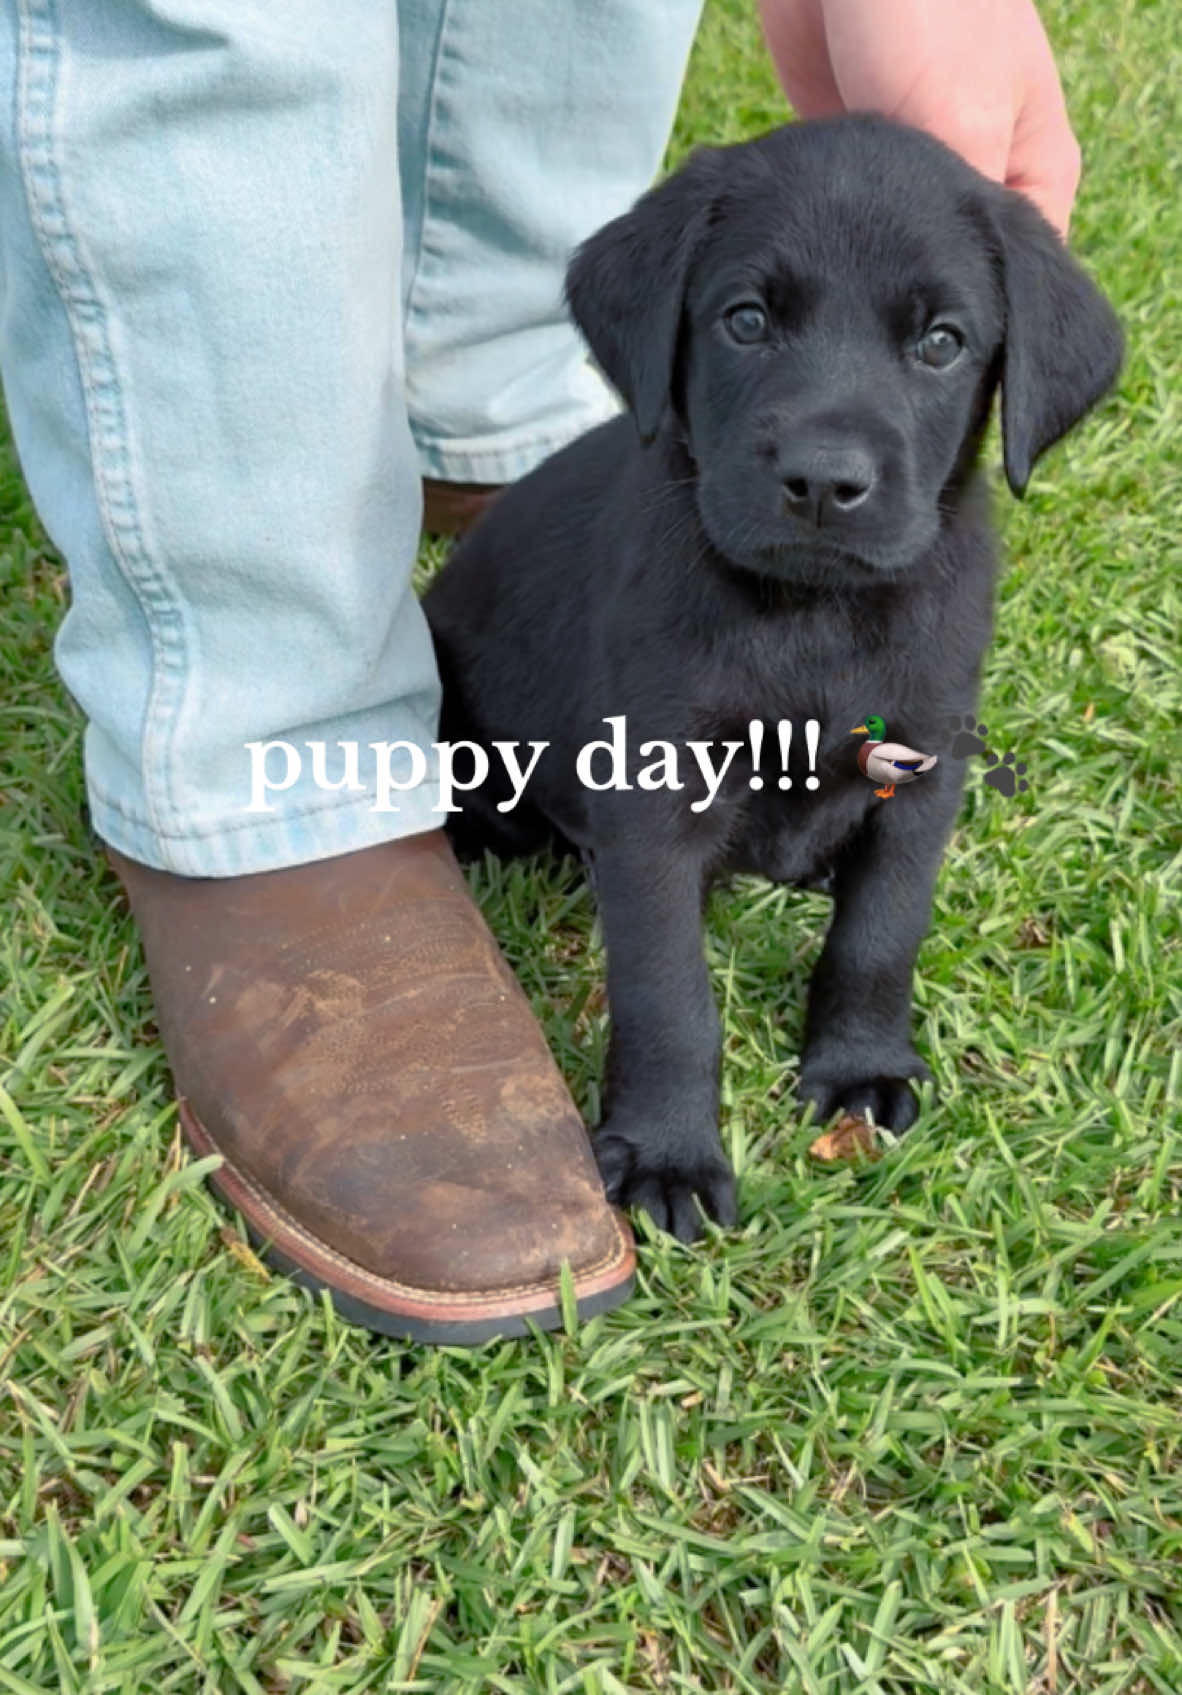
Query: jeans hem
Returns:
{"type": "Point", "coordinates": [453, 461]}
{"type": "Point", "coordinates": [270, 842]}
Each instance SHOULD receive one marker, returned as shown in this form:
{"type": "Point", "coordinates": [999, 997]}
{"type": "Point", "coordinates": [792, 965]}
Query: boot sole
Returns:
{"type": "Point", "coordinates": [363, 1297]}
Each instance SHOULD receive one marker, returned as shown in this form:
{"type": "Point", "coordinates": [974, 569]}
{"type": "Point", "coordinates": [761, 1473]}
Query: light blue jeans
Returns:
{"type": "Point", "coordinates": [263, 264]}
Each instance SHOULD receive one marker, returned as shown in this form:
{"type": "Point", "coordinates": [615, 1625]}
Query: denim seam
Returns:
{"type": "Point", "coordinates": [429, 156]}
{"type": "Point", "coordinates": [108, 431]}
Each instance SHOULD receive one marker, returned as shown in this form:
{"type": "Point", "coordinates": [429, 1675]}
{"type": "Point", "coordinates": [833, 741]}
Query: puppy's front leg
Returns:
{"type": "Point", "coordinates": [658, 1147]}
{"type": "Point", "coordinates": [857, 1050]}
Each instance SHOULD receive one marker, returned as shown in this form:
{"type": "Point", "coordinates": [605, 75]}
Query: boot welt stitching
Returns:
{"type": "Point", "coordinates": [442, 1296]}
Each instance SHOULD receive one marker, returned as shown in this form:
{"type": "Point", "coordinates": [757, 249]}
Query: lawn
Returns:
{"type": "Point", "coordinates": [912, 1428]}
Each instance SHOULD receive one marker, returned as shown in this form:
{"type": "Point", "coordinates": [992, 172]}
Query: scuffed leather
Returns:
{"type": "Point", "coordinates": [351, 1038]}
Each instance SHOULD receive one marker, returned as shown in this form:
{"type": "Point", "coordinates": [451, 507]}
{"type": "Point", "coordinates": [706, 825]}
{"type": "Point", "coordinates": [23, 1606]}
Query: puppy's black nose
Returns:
{"type": "Point", "coordinates": [823, 484]}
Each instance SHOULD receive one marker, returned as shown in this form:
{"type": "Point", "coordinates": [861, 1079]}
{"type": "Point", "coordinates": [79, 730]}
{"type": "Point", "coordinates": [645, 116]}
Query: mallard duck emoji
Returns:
{"type": "Point", "coordinates": [888, 762]}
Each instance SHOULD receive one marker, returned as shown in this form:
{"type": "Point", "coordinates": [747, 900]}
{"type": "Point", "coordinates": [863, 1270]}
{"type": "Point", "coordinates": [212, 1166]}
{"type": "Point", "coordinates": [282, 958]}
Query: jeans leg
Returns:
{"type": "Point", "coordinates": [201, 347]}
{"type": "Point", "coordinates": [524, 127]}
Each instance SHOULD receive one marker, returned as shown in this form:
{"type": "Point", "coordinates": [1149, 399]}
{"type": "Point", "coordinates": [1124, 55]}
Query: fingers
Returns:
{"type": "Point", "coordinates": [1044, 161]}
{"type": "Point", "coordinates": [980, 76]}
{"type": "Point", "coordinates": [1050, 181]}
{"type": "Point", "coordinates": [795, 34]}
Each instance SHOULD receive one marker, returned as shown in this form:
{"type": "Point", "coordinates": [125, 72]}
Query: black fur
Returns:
{"type": "Point", "coordinates": [789, 526]}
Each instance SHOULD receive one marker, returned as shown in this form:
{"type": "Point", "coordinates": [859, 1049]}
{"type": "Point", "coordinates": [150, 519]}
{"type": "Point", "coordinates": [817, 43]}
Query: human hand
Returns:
{"type": "Point", "coordinates": [978, 74]}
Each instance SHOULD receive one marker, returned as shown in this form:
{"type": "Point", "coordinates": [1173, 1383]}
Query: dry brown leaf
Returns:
{"type": "Point", "coordinates": [851, 1138]}
{"type": "Point", "coordinates": [243, 1253]}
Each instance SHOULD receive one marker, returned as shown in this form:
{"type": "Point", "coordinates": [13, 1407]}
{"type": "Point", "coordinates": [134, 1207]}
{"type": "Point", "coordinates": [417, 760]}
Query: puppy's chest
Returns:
{"type": "Point", "coordinates": [785, 818]}
{"type": "Point", "coordinates": [786, 815]}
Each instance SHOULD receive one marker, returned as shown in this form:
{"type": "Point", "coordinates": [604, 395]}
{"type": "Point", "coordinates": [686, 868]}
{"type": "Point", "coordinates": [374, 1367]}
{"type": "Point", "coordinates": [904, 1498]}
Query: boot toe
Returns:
{"type": "Point", "coordinates": [348, 1037]}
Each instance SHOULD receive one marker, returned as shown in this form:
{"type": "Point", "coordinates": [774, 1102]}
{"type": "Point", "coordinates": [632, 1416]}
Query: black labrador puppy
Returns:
{"type": "Point", "coordinates": [808, 329]}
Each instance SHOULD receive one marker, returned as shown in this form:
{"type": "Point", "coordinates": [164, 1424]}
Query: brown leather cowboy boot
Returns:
{"type": "Point", "coordinates": [348, 1037]}
{"type": "Point", "coordinates": [451, 508]}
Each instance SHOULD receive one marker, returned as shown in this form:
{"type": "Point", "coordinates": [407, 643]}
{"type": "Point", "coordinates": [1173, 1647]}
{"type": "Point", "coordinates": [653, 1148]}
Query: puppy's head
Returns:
{"type": "Point", "coordinates": [824, 315]}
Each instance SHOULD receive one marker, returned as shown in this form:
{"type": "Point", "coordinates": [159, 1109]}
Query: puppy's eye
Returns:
{"type": "Point", "coordinates": [940, 347]}
{"type": "Point", "coordinates": [747, 323]}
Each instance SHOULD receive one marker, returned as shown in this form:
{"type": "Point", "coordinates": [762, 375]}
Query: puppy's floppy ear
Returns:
{"type": "Point", "coordinates": [625, 286]}
{"type": "Point", "coordinates": [1063, 345]}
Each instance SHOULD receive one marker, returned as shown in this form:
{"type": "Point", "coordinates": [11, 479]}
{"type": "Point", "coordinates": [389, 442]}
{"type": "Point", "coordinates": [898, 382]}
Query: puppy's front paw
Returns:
{"type": "Point", "coordinates": [858, 1085]}
{"type": "Point", "coordinates": [666, 1184]}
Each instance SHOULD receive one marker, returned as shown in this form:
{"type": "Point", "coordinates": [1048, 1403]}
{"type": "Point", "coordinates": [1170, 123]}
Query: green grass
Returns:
{"type": "Point", "coordinates": [914, 1428]}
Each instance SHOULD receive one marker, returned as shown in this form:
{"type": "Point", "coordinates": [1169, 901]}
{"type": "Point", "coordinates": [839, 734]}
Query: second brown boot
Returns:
{"type": "Point", "coordinates": [451, 508]}
{"type": "Point", "coordinates": [393, 1128]}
